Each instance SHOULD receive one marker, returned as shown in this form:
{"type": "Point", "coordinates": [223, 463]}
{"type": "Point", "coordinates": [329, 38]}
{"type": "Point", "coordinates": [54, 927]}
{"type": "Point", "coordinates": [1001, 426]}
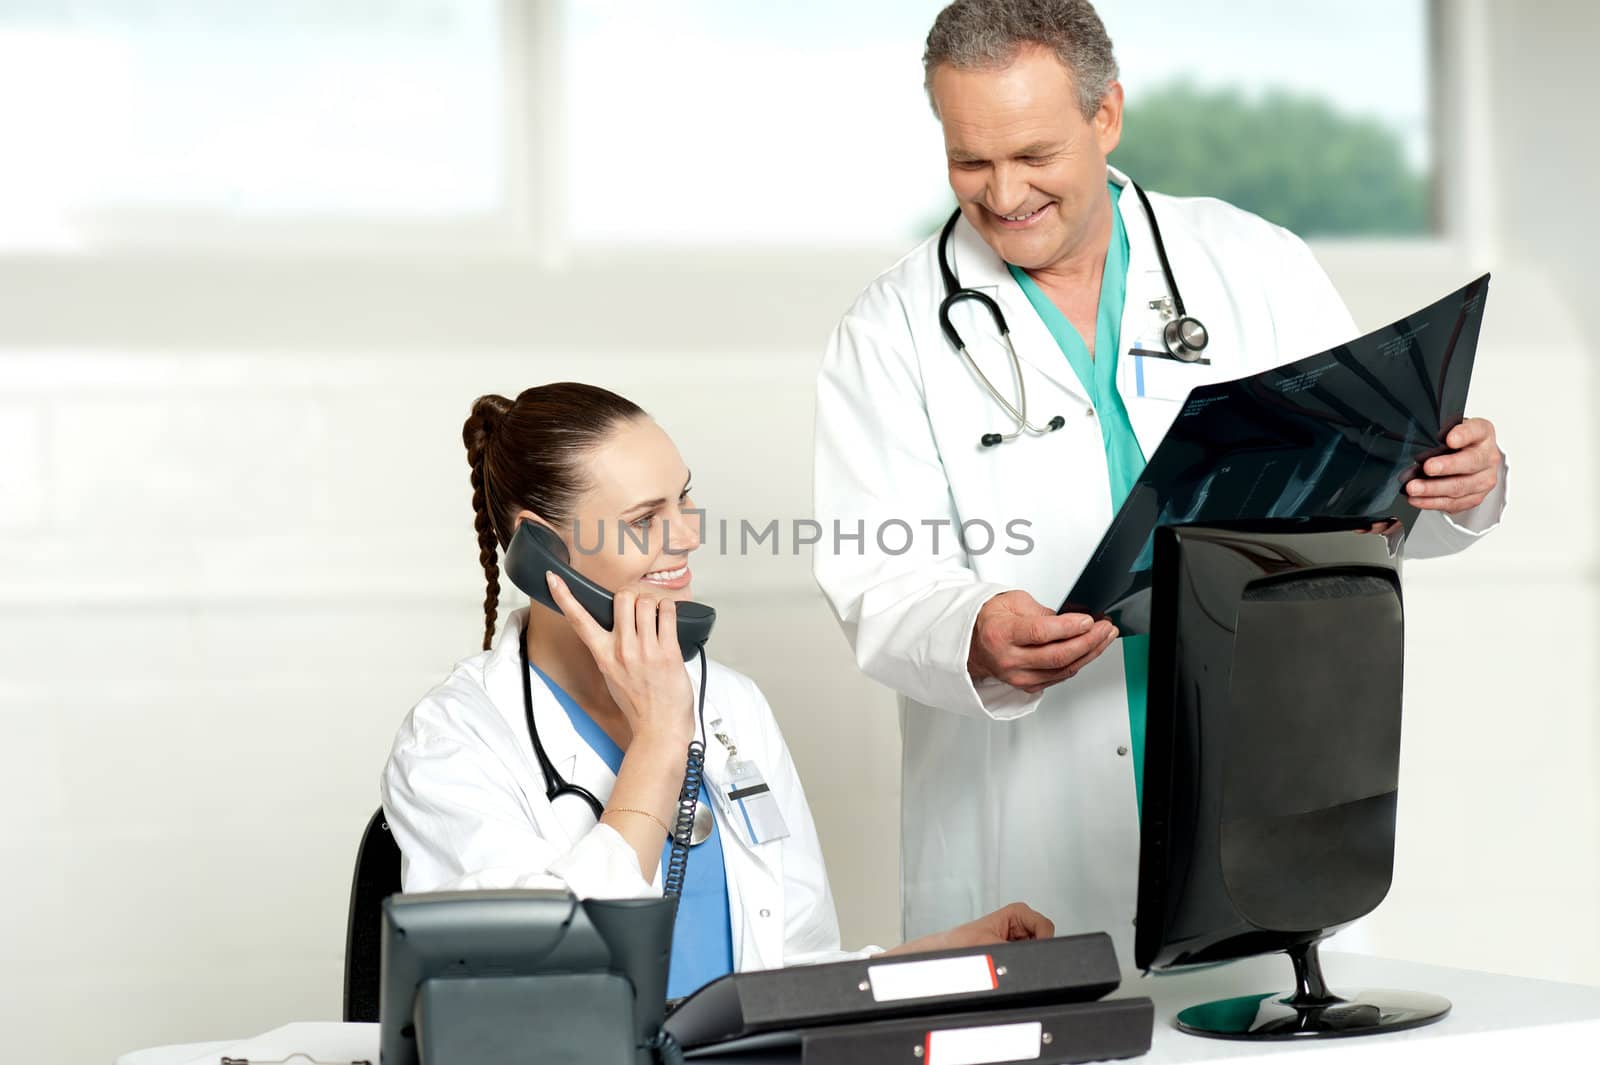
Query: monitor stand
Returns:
{"type": "Point", "coordinates": [1312, 1011]}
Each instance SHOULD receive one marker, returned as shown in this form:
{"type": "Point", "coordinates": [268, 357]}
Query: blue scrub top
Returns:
{"type": "Point", "coordinates": [702, 936]}
{"type": "Point", "coordinates": [1124, 458]}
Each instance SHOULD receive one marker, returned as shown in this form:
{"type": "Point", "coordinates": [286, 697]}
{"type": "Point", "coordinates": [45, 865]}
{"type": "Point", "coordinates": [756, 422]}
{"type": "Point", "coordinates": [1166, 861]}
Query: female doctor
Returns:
{"type": "Point", "coordinates": [615, 712]}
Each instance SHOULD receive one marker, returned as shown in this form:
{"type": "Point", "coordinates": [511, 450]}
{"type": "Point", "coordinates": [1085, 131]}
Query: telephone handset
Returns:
{"type": "Point", "coordinates": [536, 550]}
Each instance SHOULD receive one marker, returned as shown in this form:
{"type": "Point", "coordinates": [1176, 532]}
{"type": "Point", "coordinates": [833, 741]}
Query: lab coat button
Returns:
{"type": "Point", "coordinates": [766, 913]}
{"type": "Point", "coordinates": [1122, 752]}
{"type": "Point", "coordinates": [1089, 412]}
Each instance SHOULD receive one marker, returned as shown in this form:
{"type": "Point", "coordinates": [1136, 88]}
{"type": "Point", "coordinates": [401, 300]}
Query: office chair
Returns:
{"type": "Point", "coordinates": [377, 876]}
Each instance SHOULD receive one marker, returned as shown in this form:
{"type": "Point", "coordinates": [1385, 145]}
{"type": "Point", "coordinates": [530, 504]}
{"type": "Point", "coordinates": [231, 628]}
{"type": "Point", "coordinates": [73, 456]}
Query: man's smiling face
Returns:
{"type": "Point", "coordinates": [1027, 168]}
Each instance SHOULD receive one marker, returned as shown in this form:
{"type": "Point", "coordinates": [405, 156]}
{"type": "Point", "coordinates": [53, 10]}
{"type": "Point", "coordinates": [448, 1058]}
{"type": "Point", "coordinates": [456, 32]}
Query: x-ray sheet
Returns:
{"type": "Point", "coordinates": [1336, 434]}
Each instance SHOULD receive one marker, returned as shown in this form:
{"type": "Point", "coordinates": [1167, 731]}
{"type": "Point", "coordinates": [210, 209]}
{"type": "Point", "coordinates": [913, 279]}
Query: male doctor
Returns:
{"type": "Point", "coordinates": [1023, 730]}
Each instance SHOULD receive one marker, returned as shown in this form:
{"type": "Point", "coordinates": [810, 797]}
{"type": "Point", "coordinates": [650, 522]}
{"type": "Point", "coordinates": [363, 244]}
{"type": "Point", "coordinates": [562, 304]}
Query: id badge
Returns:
{"type": "Point", "coordinates": [1155, 374]}
{"type": "Point", "coordinates": [758, 807]}
{"type": "Point", "coordinates": [1149, 368]}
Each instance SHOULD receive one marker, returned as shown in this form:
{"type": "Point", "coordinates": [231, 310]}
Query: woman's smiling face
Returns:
{"type": "Point", "coordinates": [635, 526]}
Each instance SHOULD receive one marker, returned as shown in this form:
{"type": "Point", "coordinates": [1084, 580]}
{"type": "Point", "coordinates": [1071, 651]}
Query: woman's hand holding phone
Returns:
{"type": "Point", "coordinates": [640, 661]}
{"type": "Point", "coordinates": [643, 669]}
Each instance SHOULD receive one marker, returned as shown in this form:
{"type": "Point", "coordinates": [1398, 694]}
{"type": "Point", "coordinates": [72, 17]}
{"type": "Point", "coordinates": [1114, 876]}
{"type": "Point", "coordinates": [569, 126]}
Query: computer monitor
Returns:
{"type": "Point", "coordinates": [1272, 756]}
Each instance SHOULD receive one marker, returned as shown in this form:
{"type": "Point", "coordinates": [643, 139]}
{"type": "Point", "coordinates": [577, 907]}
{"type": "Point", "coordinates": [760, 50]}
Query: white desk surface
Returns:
{"type": "Point", "coordinates": [1494, 1017]}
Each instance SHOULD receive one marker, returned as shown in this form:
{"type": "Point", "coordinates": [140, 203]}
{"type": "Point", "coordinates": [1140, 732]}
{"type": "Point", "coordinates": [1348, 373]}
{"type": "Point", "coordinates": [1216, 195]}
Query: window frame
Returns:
{"type": "Point", "coordinates": [529, 245]}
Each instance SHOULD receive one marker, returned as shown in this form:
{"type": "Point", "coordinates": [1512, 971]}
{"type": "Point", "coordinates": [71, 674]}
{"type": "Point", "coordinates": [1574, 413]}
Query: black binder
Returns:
{"type": "Point", "coordinates": [1002, 976]}
{"type": "Point", "coordinates": [1045, 1035]}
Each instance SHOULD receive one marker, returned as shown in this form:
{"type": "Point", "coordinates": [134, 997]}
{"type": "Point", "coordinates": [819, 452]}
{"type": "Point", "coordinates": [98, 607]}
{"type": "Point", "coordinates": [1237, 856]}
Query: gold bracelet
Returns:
{"type": "Point", "coordinates": [641, 813]}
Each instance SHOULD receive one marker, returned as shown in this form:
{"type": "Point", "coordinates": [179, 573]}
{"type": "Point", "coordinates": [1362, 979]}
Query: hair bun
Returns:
{"type": "Point", "coordinates": [486, 414]}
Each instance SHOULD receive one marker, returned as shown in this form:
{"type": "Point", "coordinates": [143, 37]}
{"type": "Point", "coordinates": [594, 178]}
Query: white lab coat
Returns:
{"type": "Point", "coordinates": [1007, 796]}
{"type": "Point", "coordinates": [464, 796]}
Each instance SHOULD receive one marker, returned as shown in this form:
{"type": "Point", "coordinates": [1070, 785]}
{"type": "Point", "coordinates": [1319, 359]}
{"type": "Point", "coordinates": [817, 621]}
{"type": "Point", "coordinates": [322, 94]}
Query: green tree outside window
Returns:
{"type": "Point", "coordinates": [1291, 159]}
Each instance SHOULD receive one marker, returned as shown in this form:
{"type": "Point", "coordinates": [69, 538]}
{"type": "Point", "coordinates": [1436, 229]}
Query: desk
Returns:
{"type": "Point", "coordinates": [1495, 1017]}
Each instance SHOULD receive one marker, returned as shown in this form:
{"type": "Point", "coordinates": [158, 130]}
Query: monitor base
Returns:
{"type": "Point", "coordinates": [1311, 1011]}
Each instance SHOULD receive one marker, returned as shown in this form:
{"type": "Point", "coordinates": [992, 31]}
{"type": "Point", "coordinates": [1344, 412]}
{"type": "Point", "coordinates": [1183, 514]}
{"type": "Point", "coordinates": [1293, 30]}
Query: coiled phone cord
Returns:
{"type": "Point", "coordinates": [688, 800]}
{"type": "Point", "coordinates": [665, 1048]}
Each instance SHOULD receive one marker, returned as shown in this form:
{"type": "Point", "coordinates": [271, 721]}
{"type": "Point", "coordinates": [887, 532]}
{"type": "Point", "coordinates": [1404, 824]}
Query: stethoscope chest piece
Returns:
{"type": "Point", "coordinates": [1185, 338]}
{"type": "Point", "coordinates": [703, 821]}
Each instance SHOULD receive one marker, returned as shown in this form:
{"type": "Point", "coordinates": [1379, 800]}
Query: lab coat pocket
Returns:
{"type": "Point", "coordinates": [1160, 377]}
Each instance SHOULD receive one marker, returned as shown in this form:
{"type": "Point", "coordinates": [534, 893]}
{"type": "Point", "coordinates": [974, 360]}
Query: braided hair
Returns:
{"type": "Point", "coordinates": [528, 454]}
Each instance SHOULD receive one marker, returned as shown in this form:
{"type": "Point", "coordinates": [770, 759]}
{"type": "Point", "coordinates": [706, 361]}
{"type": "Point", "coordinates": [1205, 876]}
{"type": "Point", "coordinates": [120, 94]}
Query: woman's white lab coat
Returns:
{"type": "Point", "coordinates": [1008, 796]}
{"type": "Point", "coordinates": [466, 802]}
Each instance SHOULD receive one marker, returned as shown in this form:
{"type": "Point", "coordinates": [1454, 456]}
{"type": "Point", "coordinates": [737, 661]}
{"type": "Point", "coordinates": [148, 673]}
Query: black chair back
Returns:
{"type": "Point", "coordinates": [377, 877]}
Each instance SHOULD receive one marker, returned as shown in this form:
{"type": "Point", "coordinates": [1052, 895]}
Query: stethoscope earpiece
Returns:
{"type": "Point", "coordinates": [995, 439]}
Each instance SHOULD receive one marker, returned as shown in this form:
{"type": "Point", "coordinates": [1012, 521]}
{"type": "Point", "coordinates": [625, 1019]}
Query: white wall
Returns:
{"type": "Point", "coordinates": [1498, 862]}
{"type": "Point", "coordinates": [1498, 855]}
{"type": "Point", "coordinates": [236, 545]}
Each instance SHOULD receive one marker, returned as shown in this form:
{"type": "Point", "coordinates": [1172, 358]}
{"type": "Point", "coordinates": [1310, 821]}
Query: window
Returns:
{"type": "Point", "coordinates": [1314, 117]}
{"type": "Point", "coordinates": [697, 122]}
{"type": "Point", "coordinates": [165, 114]}
{"type": "Point", "coordinates": [722, 121]}
{"type": "Point", "coordinates": [731, 122]}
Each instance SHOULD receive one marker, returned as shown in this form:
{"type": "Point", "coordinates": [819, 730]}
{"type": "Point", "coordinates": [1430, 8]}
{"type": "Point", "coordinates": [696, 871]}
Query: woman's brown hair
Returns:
{"type": "Point", "coordinates": [527, 455]}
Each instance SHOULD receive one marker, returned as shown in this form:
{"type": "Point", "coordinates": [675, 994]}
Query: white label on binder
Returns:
{"type": "Point", "coordinates": [985, 1046]}
{"type": "Point", "coordinates": [929, 979]}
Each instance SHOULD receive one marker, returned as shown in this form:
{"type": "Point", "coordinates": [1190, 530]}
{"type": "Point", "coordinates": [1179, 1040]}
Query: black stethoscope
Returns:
{"type": "Point", "coordinates": [1184, 337]}
{"type": "Point", "coordinates": [556, 786]}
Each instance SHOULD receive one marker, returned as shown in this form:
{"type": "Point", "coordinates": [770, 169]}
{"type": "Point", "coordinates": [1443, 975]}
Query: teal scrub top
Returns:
{"type": "Point", "coordinates": [1124, 458]}
{"type": "Point", "coordinates": [702, 935]}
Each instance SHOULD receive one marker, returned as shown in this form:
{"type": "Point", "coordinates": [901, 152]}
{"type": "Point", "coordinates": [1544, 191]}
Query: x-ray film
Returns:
{"type": "Point", "coordinates": [1336, 434]}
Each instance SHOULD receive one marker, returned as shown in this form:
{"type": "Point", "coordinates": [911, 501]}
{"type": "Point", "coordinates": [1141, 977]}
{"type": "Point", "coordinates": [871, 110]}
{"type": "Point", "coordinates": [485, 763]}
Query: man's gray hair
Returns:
{"type": "Point", "coordinates": [978, 34]}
